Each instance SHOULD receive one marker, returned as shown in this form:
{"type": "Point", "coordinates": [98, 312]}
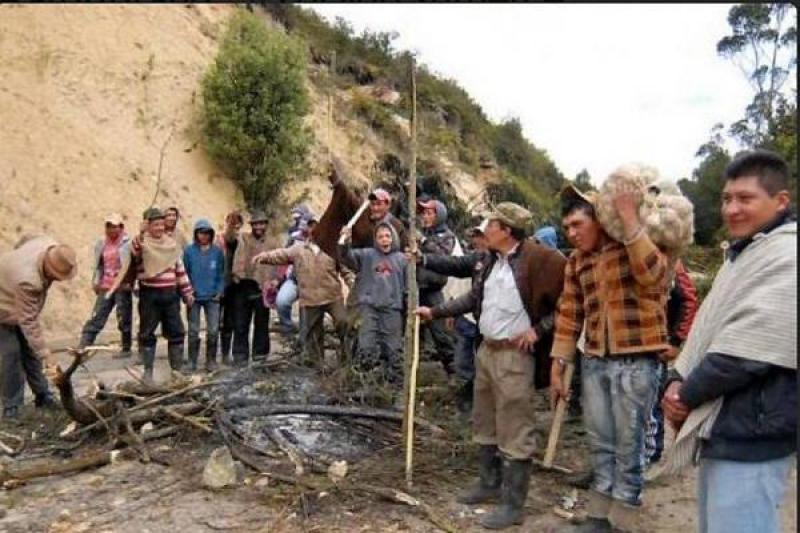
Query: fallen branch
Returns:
{"type": "Point", "coordinates": [253, 408]}
{"type": "Point", "coordinates": [295, 455]}
{"type": "Point", "coordinates": [185, 419]}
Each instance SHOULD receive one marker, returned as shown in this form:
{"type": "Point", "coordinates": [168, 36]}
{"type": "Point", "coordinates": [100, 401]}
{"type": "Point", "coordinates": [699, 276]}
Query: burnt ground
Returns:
{"type": "Point", "coordinates": [131, 496]}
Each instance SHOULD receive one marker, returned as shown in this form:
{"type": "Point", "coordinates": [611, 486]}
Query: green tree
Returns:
{"type": "Point", "coordinates": [762, 44]}
{"type": "Point", "coordinates": [704, 189]}
{"type": "Point", "coordinates": [583, 181]}
{"type": "Point", "coordinates": [254, 99]}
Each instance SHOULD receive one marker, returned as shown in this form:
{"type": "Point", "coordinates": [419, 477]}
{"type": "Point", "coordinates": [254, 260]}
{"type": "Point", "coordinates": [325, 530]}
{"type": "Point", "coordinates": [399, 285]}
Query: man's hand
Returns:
{"type": "Point", "coordinates": [189, 300]}
{"type": "Point", "coordinates": [526, 340]}
{"type": "Point", "coordinates": [413, 256]}
{"type": "Point", "coordinates": [626, 203]}
{"type": "Point", "coordinates": [52, 371]}
{"type": "Point", "coordinates": [674, 409]}
{"type": "Point", "coordinates": [669, 354]}
{"type": "Point", "coordinates": [258, 257]}
{"type": "Point", "coordinates": [96, 288]}
{"type": "Point", "coordinates": [235, 278]}
{"type": "Point", "coordinates": [558, 389]}
{"type": "Point", "coordinates": [346, 233]}
{"type": "Point", "coordinates": [217, 297]}
{"type": "Point", "coordinates": [425, 313]}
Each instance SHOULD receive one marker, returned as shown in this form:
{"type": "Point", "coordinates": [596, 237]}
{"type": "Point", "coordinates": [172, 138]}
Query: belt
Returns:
{"type": "Point", "coordinates": [499, 344]}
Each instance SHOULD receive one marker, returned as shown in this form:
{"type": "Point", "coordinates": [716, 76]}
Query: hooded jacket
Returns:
{"type": "Point", "coordinates": [436, 240]}
{"type": "Point", "coordinates": [381, 277]}
{"type": "Point", "coordinates": [206, 268]}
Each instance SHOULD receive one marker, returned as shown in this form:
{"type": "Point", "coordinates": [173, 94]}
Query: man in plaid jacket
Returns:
{"type": "Point", "coordinates": [619, 291]}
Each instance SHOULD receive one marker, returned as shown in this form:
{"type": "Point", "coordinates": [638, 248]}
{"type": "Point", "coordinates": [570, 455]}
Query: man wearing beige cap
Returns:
{"type": "Point", "coordinates": [26, 274]}
{"type": "Point", "coordinates": [513, 300]}
{"type": "Point", "coordinates": [109, 254]}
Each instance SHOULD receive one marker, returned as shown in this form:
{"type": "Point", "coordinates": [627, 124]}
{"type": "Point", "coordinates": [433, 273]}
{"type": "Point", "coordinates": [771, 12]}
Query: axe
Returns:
{"type": "Point", "coordinates": [558, 421]}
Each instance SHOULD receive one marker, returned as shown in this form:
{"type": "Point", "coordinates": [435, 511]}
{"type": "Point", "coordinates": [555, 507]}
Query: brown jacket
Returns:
{"type": "Point", "coordinates": [620, 293]}
{"type": "Point", "coordinates": [246, 250]}
{"type": "Point", "coordinates": [317, 273]}
{"type": "Point", "coordinates": [539, 275]}
{"type": "Point", "coordinates": [23, 290]}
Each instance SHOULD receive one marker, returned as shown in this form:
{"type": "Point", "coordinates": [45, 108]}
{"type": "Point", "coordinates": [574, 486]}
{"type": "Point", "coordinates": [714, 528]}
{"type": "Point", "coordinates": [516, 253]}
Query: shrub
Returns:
{"type": "Point", "coordinates": [254, 99]}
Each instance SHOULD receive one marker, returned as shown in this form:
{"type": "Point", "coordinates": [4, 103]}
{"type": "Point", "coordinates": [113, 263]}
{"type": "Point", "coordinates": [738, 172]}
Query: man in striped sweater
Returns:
{"type": "Point", "coordinates": [162, 284]}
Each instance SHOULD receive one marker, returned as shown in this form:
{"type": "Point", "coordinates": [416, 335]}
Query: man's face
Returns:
{"type": "Point", "coordinates": [258, 229]}
{"type": "Point", "coordinates": [204, 238]}
{"type": "Point", "coordinates": [383, 237]}
{"type": "Point", "coordinates": [234, 225]}
{"type": "Point", "coordinates": [429, 217]}
{"type": "Point", "coordinates": [156, 227]}
{"type": "Point", "coordinates": [582, 231]}
{"type": "Point", "coordinates": [170, 219]}
{"type": "Point", "coordinates": [378, 209]}
{"type": "Point", "coordinates": [113, 232]}
{"type": "Point", "coordinates": [478, 242]}
{"type": "Point", "coordinates": [495, 234]}
{"type": "Point", "coordinates": [747, 206]}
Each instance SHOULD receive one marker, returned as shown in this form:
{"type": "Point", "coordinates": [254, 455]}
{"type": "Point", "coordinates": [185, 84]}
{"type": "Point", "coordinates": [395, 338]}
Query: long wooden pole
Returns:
{"type": "Point", "coordinates": [412, 396]}
{"type": "Point", "coordinates": [411, 271]}
{"type": "Point", "coordinates": [331, 89]}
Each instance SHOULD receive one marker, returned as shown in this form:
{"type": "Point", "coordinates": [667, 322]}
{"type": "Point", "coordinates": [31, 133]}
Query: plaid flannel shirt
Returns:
{"type": "Point", "coordinates": [620, 292]}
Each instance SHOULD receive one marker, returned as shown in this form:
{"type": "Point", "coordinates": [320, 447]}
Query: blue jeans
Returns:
{"type": "Point", "coordinates": [735, 497]}
{"type": "Point", "coordinates": [654, 436]}
{"type": "Point", "coordinates": [287, 296]}
{"type": "Point", "coordinates": [465, 348]}
{"type": "Point", "coordinates": [618, 394]}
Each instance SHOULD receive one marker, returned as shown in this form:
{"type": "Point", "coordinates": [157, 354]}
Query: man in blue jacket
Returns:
{"type": "Point", "coordinates": [732, 394]}
{"type": "Point", "coordinates": [205, 265]}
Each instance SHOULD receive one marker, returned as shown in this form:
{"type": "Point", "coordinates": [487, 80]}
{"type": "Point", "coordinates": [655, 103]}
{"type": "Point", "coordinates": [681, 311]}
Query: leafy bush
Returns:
{"type": "Point", "coordinates": [254, 99]}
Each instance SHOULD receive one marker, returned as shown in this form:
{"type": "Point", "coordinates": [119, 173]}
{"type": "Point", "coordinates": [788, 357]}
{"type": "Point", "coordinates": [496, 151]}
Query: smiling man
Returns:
{"type": "Point", "coordinates": [733, 391]}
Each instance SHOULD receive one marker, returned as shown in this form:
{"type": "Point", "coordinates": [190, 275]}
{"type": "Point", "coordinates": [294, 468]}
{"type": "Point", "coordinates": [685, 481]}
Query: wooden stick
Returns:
{"type": "Point", "coordinates": [412, 393]}
{"type": "Point", "coordinates": [558, 420]}
{"type": "Point", "coordinates": [411, 273]}
{"type": "Point", "coordinates": [354, 219]}
{"type": "Point", "coordinates": [185, 419]}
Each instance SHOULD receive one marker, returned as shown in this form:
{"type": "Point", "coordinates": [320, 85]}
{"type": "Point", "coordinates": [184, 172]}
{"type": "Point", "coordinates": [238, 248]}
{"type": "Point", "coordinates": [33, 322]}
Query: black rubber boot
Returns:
{"type": "Point", "coordinates": [10, 412]}
{"type": "Point", "coordinates": [490, 478]}
{"type": "Point", "coordinates": [45, 401]}
{"type": "Point", "coordinates": [211, 355]}
{"type": "Point", "coordinates": [148, 360]}
{"type": "Point", "coordinates": [175, 356]}
{"type": "Point", "coordinates": [464, 397]}
{"type": "Point", "coordinates": [511, 511]}
{"type": "Point", "coordinates": [194, 352]}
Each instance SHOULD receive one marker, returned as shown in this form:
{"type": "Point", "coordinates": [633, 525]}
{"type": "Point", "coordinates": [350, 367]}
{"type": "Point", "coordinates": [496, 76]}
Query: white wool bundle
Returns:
{"type": "Point", "coordinates": [666, 214]}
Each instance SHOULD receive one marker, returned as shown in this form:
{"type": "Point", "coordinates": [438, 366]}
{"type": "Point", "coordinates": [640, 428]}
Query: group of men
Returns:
{"type": "Point", "coordinates": [730, 392]}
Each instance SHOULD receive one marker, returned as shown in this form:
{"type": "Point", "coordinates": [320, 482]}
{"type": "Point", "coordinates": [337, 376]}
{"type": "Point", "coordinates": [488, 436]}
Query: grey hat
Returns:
{"type": "Point", "coordinates": [153, 213]}
{"type": "Point", "coordinates": [258, 215]}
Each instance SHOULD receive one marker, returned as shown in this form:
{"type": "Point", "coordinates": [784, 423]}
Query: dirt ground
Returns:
{"type": "Point", "coordinates": [129, 496]}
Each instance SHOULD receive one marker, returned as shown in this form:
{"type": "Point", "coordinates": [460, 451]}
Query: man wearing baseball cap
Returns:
{"type": "Point", "coordinates": [513, 300]}
{"type": "Point", "coordinates": [109, 254]}
{"type": "Point", "coordinates": [26, 274]}
{"type": "Point", "coordinates": [250, 279]}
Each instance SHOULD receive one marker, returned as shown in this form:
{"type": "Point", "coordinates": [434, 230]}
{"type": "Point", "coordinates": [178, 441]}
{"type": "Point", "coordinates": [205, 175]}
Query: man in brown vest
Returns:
{"type": "Point", "coordinates": [513, 299]}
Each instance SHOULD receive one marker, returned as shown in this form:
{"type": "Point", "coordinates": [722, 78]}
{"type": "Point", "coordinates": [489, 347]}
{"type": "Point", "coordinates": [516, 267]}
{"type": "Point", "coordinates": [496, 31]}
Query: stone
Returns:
{"type": "Point", "coordinates": [220, 470]}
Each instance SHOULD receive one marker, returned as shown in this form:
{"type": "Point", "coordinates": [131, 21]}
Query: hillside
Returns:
{"type": "Point", "coordinates": [90, 95]}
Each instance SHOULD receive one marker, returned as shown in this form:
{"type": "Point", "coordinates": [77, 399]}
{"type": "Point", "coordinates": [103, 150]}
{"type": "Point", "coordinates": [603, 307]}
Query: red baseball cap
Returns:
{"type": "Point", "coordinates": [380, 194]}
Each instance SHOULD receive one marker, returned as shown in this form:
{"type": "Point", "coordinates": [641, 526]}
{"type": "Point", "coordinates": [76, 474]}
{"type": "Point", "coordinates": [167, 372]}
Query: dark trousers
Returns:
{"type": "Point", "coordinates": [228, 319]}
{"type": "Point", "coordinates": [435, 338]}
{"type": "Point", "coordinates": [249, 307]}
{"type": "Point", "coordinates": [466, 347]}
{"type": "Point", "coordinates": [123, 301]}
{"type": "Point", "coordinates": [17, 363]}
{"type": "Point", "coordinates": [312, 332]}
{"type": "Point", "coordinates": [380, 341]}
{"type": "Point", "coordinates": [160, 306]}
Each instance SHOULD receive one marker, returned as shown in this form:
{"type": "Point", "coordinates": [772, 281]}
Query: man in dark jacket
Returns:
{"type": "Point", "coordinates": [436, 239]}
{"type": "Point", "coordinates": [227, 242]}
{"type": "Point", "coordinates": [733, 391]}
{"type": "Point", "coordinates": [513, 299]}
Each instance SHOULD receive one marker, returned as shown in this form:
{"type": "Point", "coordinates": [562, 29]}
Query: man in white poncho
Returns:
{"type": "Point", "coordinates": [732, 395]}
